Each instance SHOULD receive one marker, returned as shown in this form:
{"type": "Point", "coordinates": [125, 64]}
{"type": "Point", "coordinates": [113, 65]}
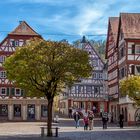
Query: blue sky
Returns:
{"type": "Point", "coordinates": [63, 19]}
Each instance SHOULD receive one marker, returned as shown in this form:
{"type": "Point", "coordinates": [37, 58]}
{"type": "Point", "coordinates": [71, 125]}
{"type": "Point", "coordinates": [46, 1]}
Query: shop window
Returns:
{"type": "Point", "coordinates": [3, 110]}
{"type": "Point", "coordinates": [17, 110]}
{"type": "Point", "coordinates": [31, 111]}
{"type": "Point", "coordinates": [44, 110]}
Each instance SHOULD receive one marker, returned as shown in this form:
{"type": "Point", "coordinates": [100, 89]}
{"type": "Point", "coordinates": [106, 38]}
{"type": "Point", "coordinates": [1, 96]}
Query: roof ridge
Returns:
{"type": "Point", "coordinates": [24, 29]}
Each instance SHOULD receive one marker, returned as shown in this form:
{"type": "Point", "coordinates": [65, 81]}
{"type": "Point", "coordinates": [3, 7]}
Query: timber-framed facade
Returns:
{"type": "Point", "coordinates": [14, 105]}
{"type": "Point", "coordinates": [89, 94]}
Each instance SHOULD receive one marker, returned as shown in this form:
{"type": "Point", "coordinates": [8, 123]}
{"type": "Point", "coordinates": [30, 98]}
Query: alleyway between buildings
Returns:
{"type": "Point", "coordinates": [31, 131]}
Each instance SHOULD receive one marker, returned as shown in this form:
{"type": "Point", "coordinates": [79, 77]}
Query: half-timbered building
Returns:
{"type": "Point", "coordinates": [123, 54]}
{"type": "Point", "coordinates": [128, 57]}
{"type": "Point", "coordinates": [14, 105]}
{"type": "Point", "coordinates": [88, 94]}
{"type": "Point", "coordinates": [112, 57]}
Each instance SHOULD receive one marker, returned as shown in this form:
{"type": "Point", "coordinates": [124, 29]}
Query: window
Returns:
{"type": "Point", "coordinates": [122, 73]}
{"type": "Point", "coordinates": [96, 89]}
{"type": "Point", "coordinates": [24, 27]}
{"type": "Point", "coordinates": [88, 89]}
{"type": "Point", "coordinates": [94, 75]}
{"type": "Point", "coordinates": [17, 92]}
{"type": "Point", "coordinates": [73, 89]}
{"type": "Point", "coordinates": [2, 58]}
{"type": "Point", "coordinates": [3, 74]}
{"type": "Point", "coordinates": [16, 43]}
{"type": "Point", "coordinates": [17, 110]}
{"type": "Point", "coordinates": [133, 49]}
{"type": "Point", "coordinates": [12, 43]}
{"type": "Point", "coordinates": [21, 42]}
{"type": "Point", "coordinates": [100, 76]}
{"type": "Point", "coordinates": [137, 49]}
{"type": "Point", "coordinates": [44, 110]}
{"type": "Point", "coordinates": [138, 70]}
{"type": "Point", "coordinates": [3, 91]}
{"type": "Point", "coordinates": [94, 62]}
{"type": "Point", "coordinates": [81, 89]}
{"type": "Point", "coordinates": [3, 110]}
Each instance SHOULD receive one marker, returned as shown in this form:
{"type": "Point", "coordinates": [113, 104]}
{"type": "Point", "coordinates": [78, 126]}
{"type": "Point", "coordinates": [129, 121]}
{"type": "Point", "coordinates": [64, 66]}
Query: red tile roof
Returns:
{"type": "Point", "coordinates": [114, 22]}
{"type": "Point", "coordinates": [24, 29]}
{"type": "Point", "coordinates": [130, 23]}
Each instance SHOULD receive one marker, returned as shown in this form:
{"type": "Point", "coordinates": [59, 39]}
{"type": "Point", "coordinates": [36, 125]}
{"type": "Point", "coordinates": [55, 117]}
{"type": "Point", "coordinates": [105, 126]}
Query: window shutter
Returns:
{"type": "Point", "coordinates": [8, 91]}
{"type": "Point", "coordinates": [22, 92]}
{"type": "Point", "coordinates": [132, 69]}
{"type": "Point", "coordinates": [133, 49]}
{"type": "Point", "coordinates": [13, 91]}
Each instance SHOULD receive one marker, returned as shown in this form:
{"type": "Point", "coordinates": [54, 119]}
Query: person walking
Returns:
{"type": "Point", "coordinates": [105, 120]}
{"type": "Point", "coordinates": [90, 120]}
{"type": "Point", "coordinates": [70, 112]}
{"type": "Point", "coordinates": [121, 120]}
{"type": "Point", "coordinates": [85, 120]}
{"type": "Point", "coordinates": [76, 118]}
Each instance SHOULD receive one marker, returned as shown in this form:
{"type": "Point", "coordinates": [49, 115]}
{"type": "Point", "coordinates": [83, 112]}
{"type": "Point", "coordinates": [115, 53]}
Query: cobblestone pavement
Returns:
{"type": "Point", "coordinates": [31, 131]}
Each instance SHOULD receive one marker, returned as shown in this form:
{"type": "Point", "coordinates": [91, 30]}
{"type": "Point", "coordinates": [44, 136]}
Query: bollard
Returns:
{"type": "Point", "coordinates": [56, 132]}
{"type": "Point", "coordinates": [42, 131]}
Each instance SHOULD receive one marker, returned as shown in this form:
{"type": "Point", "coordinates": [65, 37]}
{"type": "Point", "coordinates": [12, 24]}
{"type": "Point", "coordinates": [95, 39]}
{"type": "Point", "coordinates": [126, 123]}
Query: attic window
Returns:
{"type": "Point", "coordinates": [24, 27]}
{"type": "Point", "coordinates": [89, 53]}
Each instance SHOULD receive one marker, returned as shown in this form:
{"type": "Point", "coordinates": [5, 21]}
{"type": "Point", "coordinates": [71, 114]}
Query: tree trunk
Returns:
{"type": "Point", "coordinates": [49, 120]}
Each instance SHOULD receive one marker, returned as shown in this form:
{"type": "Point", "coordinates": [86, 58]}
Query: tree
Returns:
{"type": "Point", "coordinates": [131, 87]}
{"type": "Point", "coordinates": [44, 68]}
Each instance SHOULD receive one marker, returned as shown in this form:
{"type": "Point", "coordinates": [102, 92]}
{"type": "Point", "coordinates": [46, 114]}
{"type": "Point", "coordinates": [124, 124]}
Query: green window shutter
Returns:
{"type": "Point", "coordinates": [13, 91]}
{"type": "Point", "coordinates": [22, 92]}
{"type": "Point", "coordinates": [8, 91]}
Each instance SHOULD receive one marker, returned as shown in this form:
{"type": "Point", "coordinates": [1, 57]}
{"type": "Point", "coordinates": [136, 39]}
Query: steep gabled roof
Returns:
{"type": "Point", "coordinates": [130, 24]}
{"type": "Point", "coordinates": [96, 52]}
{"type": "Point", "coordinates": [24, 29]}
{"type": "Point", "coordinates": [114, 22]}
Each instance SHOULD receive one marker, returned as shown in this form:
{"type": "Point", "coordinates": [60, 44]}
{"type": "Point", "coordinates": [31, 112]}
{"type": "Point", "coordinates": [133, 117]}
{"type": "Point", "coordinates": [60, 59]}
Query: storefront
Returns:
{"type": "Point", "coordinates": [23, 110]}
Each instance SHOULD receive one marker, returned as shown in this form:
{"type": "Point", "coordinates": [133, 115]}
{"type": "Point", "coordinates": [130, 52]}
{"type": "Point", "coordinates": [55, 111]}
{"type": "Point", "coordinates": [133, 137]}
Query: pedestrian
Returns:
{"type": "Point", "coordinates": [94, 109]}
{"type": "Point", "coordinates": [109, 117]}
{"type": "Point", "coordinates": [76, 118]}
{"type": "Point", "coordinates": [105, 120]}
{"type": "Point", "coordinates": [70, 112]}
{"type": "Point", "coordinates": [85, 120]}
{"type": "Point", "coordinates": [121, 119]}
{"type": "Point", "coordinates": [90, 120]}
